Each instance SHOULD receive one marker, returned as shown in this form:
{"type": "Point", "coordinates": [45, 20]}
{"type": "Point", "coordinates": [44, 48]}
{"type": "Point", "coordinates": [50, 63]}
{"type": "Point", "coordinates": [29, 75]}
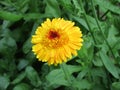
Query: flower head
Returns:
{"type": "Point", "coordinates": [55, 41]}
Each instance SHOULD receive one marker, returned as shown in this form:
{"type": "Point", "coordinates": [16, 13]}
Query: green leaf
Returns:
{"type": "Point", "coordinates": [77, 7]}
{"type": "Point", "coordinates": [3, 65]}
{"type": "Point", "coordinates": [10, 16]}
{"type": "Point", "coordinates": [19, 78]}
{"type": "Point", "coordinates": [67, 6]}
{"type": "Point", "coordinates": [34, 6]}
{"type": "Point", "coordinates": [107, 5]}
{"type": "Point", "coordinates": [83, 73]}
{"type": "Point", "coordinates": [82, 53]}
{"type": "Point", "coordinates": [4, 82]}
{"type": "Point", "coordinates": [73, 68]}
{"type": "Point", "coordinates": [81, 21]}
{"type": "Point", "coordinates": [35, 16]}
{"type": "Point", "coordinates": [57, 76]}
{"type": "Point", "coordinates": [8, 44]}
{"type": "Point", "coordinates": [97, 61]}
{"type": "Point", "coordinates": [22, 64]}
{"type": "Point", "coordinates": [99, 87]}
{"type": "Point", "coordinates": [52, 8]}
{"type": "Point", "coordinates": [112, 39]}
{"type": "Point", "coordinates": [98, 76]}
{"type": "Point", "coordinates": [33, 76]}
{"type": "Point", "coordinates": [76, 3]}
{"type": "Point", "coordinates": [108, 64]}
{"type": "Point", "coordinates": [5, 3]}
{"type": "Point", "coordinates": [116, 85]}
{"type": "Point", "coordinates": [81, 85]}
{"type": "Point", "coordinates": [27, 46]}
{"type": "Point", "coordinates": [21, 3]}
{"type": "Point", "coordinates": [116, 48]}
{"type": "Point", "coordinates": [22, 86]}
{"type": "Point", "coordinates": [86, 52]}
{"type": "Point", "coordinates": [5, 25]}
{"type": "Point", "coordinates": [101, 73]}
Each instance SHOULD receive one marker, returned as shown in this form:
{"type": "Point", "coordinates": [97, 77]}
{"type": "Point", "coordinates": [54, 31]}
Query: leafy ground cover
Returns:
{"type": "Point", "coordinates": [97, 66]}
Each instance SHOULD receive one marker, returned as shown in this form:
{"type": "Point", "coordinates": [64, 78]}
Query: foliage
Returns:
{"type": "Point", "coordinates": [97, 66]}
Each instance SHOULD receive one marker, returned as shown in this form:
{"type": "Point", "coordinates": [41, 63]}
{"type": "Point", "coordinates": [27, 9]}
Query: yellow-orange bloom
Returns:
{"type": "Point", "coordinates": [56, 40]}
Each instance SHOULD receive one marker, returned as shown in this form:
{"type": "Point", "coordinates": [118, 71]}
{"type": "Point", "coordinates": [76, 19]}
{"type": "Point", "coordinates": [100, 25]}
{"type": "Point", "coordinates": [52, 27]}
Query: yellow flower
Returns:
{"type": "Point", "coordinates": [55, 41]}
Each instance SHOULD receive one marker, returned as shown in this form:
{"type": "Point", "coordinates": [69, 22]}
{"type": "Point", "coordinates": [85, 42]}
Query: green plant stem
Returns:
{"type": "Point", "coordinates": [67, 74]}
{"type": "Point", "coordinates": [105, 14]}
{"type": "Point", "coordinates": [96, 19]}
{"type": "Point", "coordinates": [86, 19]}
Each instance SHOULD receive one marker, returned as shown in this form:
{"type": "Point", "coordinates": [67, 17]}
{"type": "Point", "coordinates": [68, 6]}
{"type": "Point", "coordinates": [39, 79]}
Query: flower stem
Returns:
{"type": "Point", "coordinates": [94, 13]}
{"type": "Point", "coordinates": [67, 74]}
{"type": "Point", "coordinates": [86, 19]}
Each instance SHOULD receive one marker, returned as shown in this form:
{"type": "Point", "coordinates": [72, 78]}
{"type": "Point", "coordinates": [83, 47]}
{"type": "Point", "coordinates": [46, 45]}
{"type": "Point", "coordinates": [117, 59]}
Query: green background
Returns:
{"type": "Point", "coordinates": [97, 66]}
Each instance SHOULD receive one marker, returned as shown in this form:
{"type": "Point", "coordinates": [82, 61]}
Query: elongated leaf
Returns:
{"type": "Point", "coordinates": [4, 82]}
{"type": "Point", "coordinates": [81, 21]}
{"type": "Point", "coordinates": [82, 85]}
{"type": "Point", "coordinates": [33, 76]}
{"type": "Point", "coordinates": [106, 5]}
{"type": "Point", "coordinates": [52, 8]}
{"type": "Point", "coordinates": [8, 44]}
{"type": "Point", "coordinates": [82, 73]}
{"type": "Point", "coordinates": [86, 52]}
{"type": "Point", "coordinates": [19, 78]}
{"type": "Point", "coordinates": [34, 5]}
{"type": "Point", "coordinates": [57, 76]}
{"type": "Point", "coordinates": [22, 64]}
{"type": "Point", "coordinates": [22, 86]}
{"type": "Point", "coordinates": [10, 16]}
{"type": "Point", "coordinates": [67, 5]}
{"type": "Point", "coordinates": [112, 39]}
{"type": "Point", "coordinates": [116, 85]}
{"type": "Point", "coordinates": [30, 16]}
{"type": "Point", "coordinates": [109, 65]}
{"type": "Point", "coordinates": [27, 46]}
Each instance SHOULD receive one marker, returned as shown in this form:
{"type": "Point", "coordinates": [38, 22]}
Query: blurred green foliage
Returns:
{"type": "Point", "coordinates": [95, 67]}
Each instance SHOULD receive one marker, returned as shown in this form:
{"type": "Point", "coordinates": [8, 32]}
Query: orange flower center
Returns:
{"type": "Point", "coordinates": [53, 34]}
{"type": "Point", "coordinates": [55, 39]}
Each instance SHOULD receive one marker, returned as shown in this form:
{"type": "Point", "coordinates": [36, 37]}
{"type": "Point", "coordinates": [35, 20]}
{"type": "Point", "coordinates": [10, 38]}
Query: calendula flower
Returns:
{"type": "Point", "coordinates": [56, 40]}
